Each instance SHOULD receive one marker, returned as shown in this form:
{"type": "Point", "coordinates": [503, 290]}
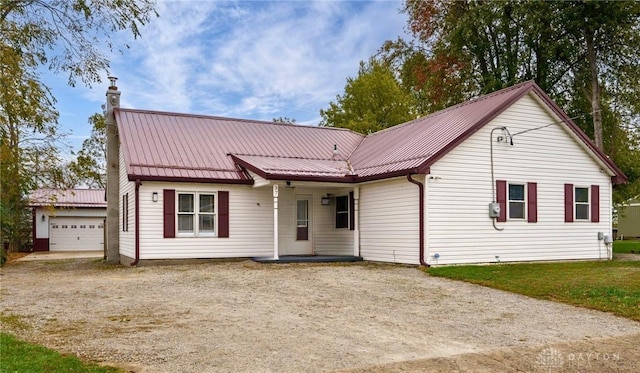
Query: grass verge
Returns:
{"type": "Point", "coordinates": [625, 247]}
{"type": "Point", "coordinates": [20, 356]}
{"type": "Point", "coordinates": [611, 286]}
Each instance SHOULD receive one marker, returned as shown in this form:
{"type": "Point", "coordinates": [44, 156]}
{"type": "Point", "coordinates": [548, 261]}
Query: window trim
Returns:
{"type": "Point", "coordinates": [347, 212]}
{"type": "Point", "coordinates": [125, 212]}
{"type": "Point", "coordinates": [195, 215]}
{"type": "Point", "coordinates": [524, 201]}
{"type": "Point", "coordinates": [576, 203]}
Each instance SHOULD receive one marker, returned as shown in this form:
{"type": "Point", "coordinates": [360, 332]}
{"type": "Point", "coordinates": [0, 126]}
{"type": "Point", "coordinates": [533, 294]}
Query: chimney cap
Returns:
{"type": "Point", "coordinates": [112, 80]}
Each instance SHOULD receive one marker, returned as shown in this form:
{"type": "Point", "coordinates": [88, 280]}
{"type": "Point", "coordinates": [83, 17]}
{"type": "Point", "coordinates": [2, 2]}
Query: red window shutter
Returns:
{"type": "Point", "coordinates": [501, 198]}
{"type": "Point", "coordinates": [595, 203]}
{"type": "Point", "coordinates": [352, 212]}
{"type": "Point", "coordinates": [169, 211]}
{"type": "Point", "coordinates": [223, 214]}
{"type": "Point", "coordinates": [532, 202]}
{"type": "Point", "coordinates": [568, 203]}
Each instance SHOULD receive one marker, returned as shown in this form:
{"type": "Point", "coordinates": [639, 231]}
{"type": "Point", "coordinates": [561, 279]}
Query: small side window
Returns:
{"type": "Point", "coordinates": [582, 206]}
{"type": "Point", "coordinates": [517, 204]}
{"type": "Point", "coordinates": [342, 212]}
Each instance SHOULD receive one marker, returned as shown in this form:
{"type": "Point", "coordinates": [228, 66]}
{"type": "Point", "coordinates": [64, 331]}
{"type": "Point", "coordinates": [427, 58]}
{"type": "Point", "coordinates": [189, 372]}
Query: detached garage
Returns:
{"type": "Point", "coordinates": [68, 220]}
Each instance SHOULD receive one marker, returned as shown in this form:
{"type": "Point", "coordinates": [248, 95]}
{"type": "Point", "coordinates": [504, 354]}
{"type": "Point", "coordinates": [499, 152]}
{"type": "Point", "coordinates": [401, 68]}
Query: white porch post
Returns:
{"type": "Point", "coordinates": [356, 219]}
{"type": "Point", "coordinates": [275, 221]}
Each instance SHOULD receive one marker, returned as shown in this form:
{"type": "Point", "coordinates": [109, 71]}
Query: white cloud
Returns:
{"type": "Point", "coordinates": [253, 59]}
{"type": "Point", "coordinates": [256, 60]}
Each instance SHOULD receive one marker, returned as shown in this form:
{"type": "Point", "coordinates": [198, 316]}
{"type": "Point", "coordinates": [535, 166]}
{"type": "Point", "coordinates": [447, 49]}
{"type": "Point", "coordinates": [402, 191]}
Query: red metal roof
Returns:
{"type": "Point", "coordinates": [182, 147]}
{"type": "Point", "coordinates": [422, 141]}
{"type": "Point", "coordinates": [68, 198]}
{"type": "Point", "coordinates": [168, 146]}
{"type": "Point", "coordinates": [284, 168]}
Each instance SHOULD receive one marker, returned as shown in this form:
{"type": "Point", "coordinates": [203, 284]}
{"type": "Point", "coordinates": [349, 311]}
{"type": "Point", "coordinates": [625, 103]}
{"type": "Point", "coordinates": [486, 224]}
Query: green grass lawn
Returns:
{"type": "Point", "coordinates": [611, 286]}
{"type": "Point", "coordinates": [20, 356]}
{"type": "Point", "coordinates": [626, 246]}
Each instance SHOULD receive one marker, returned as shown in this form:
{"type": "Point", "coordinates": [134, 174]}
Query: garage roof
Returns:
{"type": "Point", "coordinates": [68, 198]}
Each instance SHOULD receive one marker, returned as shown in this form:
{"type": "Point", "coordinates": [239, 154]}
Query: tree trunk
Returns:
{"type": "Point", "coordinates": [595, 92]}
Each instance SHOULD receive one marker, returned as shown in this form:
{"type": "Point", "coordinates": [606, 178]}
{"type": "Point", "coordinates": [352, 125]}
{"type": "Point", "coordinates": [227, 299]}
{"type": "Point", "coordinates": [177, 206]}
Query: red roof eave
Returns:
{"type": "Point", "coordinates": [243, 181]}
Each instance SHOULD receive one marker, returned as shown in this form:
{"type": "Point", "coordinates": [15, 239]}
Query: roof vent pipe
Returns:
{"type": "Point", "coordinates": [335, 151]}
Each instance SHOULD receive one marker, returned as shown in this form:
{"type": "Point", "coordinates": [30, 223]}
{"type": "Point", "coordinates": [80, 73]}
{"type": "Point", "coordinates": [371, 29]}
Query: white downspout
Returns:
{"type": "Point", "coordinates": [275, 222]}
{"type": "Point", "coordinates": [356, 221]}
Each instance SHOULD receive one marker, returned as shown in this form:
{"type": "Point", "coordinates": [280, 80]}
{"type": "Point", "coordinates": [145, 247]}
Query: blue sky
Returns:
{"type": "Point", "coordinates": [242, 59]}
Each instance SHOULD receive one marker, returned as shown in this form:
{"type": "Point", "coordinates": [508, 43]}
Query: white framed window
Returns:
{"type": "Point", "coordinates": [206, 213]}
{"type": "Point", "coordinates": [196, 214]}
{"type": "Point", "coordinates": [342, 212]}
{"type": "Point", "coordinates": [517, 201]}
{"type": "Point", "coordinates": [581, 201]}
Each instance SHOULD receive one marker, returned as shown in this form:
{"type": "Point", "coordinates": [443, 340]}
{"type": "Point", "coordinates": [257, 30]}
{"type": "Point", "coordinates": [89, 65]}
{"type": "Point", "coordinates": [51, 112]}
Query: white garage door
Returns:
{"type": "Point", "coordinates": [76, 234]}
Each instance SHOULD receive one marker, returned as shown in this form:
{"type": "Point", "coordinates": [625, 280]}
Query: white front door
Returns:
{"type": "Point", "coordinates": [76, 234]}
{"type": "Point", "coordinates": [302, 228]}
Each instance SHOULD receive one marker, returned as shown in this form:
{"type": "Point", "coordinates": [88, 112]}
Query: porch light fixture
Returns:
{"type": "Point", "coordinates": [43, 217]}
{"type": "Point", "coordinates": [325, 201]}
{"type": "Point", "coordinates": [154, 197]}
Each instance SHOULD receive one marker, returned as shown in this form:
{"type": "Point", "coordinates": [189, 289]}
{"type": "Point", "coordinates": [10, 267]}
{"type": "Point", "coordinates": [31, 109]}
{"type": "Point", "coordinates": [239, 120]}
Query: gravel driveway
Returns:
{"type": "Point", "coordinates": [244, 316]}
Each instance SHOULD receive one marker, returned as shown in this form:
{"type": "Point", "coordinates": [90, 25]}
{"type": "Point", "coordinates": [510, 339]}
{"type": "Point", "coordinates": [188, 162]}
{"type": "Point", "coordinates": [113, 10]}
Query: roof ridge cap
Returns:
{"type": "Point", "coordinates": [287, 157]}
{"type": "Point", "coordinates": [244, 120]}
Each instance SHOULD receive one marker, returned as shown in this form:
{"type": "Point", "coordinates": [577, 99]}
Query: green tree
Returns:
{"type": "Point", "coordinates": [585, 54]}
{"type": "Point", "coordinates": [372, 101]}
{"type": "Point", "coordinates": [284, 120]}
{"type": "Point", "coordinates": [89, 167]}
{"type": "Point", "coordinates": [27, 142]}
{"type": "Point", "coordinates": [65, 37]}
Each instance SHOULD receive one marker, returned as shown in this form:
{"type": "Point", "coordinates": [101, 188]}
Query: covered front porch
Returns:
{"type": "Point", "coordinates": [314, 220]}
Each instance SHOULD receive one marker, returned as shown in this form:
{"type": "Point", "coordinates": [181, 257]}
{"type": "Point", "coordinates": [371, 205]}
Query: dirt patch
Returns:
{"type": "Point", "coordinates": [244, 316]}
{"type": "Point", "coordinates": [632, 256]}
{"type": "Point", "coordinates": [13, 256]}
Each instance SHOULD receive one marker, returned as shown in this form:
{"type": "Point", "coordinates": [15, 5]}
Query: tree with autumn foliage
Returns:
{"type": "Point", "coordinates": [584, 54]}
{"type": "Point", "coordinates": [66, 37]}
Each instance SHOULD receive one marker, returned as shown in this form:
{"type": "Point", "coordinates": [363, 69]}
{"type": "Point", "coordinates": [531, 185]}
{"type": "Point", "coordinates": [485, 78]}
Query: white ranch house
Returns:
{"type": "Point", "coordinates": [196, 186]}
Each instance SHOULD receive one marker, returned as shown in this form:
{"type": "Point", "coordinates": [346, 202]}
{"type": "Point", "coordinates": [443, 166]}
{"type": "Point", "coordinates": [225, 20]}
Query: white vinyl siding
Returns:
{"type": "Point", "coordinates": [250, 224]}
{"type": "Point", "coordinates": [459, 229]}
{"type": "Point", "coordinates": [327, 239]}
{"type": "Point", "coordinates": [127, 238]}
{"type": "Point", "coordinates": [389, 221]}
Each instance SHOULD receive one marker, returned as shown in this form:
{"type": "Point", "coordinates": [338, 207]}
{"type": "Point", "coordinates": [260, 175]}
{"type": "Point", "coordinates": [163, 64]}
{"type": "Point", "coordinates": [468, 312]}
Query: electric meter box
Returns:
{"type": "Point", "coordinates": [494, 210]}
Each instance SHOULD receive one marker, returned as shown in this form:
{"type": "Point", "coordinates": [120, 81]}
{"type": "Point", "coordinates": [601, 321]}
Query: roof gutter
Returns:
{"type": "Point", "coordinates": [421, 219]}
{"type": "Point", "coordinates": [137, 223]}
